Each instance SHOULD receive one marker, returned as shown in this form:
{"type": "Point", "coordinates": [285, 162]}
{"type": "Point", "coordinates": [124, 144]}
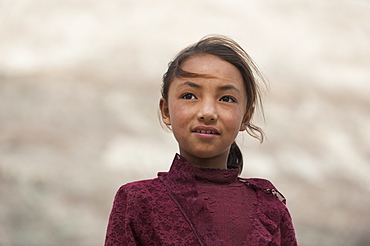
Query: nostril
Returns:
{"type": "Point", "coordinates": [207, 114]}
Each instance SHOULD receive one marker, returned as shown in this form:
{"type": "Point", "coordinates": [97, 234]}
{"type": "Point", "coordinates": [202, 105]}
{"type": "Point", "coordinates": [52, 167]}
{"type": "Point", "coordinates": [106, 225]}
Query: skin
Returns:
{"type": "Point", "coordinates": [214, 101]}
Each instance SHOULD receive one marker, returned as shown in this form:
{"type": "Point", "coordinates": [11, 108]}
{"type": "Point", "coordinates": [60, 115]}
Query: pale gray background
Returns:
{"type": "Point", "coordinates": [79, 89]}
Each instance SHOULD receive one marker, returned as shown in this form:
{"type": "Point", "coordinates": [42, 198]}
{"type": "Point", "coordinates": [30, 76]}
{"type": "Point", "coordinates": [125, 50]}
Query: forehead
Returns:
{"type": "Point", "coordinates": [207, 64]}
{"type": "Point", "coordinates": [211, 67]}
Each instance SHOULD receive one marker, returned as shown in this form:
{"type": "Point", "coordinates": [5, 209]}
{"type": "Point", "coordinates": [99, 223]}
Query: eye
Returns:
{"type": "Point", "coordinates": [188, 96]}
{"type": "Point", "coordinates": [227, 99]}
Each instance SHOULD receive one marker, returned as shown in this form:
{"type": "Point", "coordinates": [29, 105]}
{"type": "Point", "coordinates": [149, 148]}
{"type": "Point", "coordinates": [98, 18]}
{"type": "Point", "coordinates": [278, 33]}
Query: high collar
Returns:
{"type": "Point", "coordinates": [203, 174]}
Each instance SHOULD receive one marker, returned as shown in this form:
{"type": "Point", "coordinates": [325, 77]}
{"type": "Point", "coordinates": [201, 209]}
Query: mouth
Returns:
{"type": "Point", "coordinates": [206, 130]}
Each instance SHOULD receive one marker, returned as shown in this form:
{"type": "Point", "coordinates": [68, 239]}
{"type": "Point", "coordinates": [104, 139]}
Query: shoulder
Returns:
{"type": "Point", "coordinates": [140, 185]}
{"type": "Point", "coordinates": [140, 188]}
{"type": "Point", "coordinates": [259, 183]}
{"type": "Point", "coordinates": [265, 186]}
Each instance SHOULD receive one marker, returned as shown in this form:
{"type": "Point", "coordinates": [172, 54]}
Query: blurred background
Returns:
{"type": "Point", "coordinates": [80, 84]}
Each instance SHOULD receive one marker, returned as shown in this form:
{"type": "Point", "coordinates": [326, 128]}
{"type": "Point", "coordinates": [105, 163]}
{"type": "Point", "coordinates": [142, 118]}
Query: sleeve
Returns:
{"type": "Point", "coordinates": [288, 237]}
{"type": "Point", "coordinates": [119, 229]}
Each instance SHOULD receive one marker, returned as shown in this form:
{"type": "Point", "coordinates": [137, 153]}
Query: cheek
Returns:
{"type": "Point", "coordinates": [234, 119]}
{"type": "Point", "coordinates": [179, 113]}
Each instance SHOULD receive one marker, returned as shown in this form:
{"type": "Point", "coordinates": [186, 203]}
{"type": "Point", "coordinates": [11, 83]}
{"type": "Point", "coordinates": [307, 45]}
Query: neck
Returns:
{"type": "Point", "coordinates": [219, 162]}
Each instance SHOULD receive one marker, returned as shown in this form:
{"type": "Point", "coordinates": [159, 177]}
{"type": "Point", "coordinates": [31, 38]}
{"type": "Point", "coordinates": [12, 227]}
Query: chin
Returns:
{"type": "Point", "coordinates": [205, 154]}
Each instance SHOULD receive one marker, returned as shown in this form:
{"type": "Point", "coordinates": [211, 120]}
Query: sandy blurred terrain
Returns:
{"type": "Point", "coordinates": [79, 89]}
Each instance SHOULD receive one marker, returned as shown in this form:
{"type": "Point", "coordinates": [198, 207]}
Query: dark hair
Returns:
{"type": "Point", "coordinates": [230, 51]}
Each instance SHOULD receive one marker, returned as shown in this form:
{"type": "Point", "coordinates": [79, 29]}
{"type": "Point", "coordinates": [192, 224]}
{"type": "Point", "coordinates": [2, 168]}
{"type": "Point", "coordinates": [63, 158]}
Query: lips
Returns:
{"type": "Point", "coordinates": [206, 130]}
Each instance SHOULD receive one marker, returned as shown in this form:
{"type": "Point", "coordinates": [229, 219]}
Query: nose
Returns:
{"type": "Point", "coordinates": [207, 111]}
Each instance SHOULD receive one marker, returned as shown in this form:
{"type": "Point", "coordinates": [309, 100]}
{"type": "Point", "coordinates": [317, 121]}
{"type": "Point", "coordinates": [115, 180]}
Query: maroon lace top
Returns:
{"type": "Point", "coordinates": [229, 201]}
{"type": "Point", "coordinates": [190, 205]}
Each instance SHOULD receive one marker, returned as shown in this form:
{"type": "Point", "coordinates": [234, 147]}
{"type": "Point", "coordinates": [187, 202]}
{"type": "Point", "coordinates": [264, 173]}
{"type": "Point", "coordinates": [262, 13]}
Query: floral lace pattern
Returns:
{"type": "Point", "coordinates": [229, 202]}
{"type": "Point", "coordinates": [168, 211]}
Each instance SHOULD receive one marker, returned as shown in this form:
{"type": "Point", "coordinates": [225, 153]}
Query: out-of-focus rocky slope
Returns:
{"type": "Point", "coordinates": [79, 87]}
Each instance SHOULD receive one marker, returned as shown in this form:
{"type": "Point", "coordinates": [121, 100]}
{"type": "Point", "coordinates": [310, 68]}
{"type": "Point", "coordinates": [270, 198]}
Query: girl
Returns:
{"type": "Point", "coordinates": [208, 95]}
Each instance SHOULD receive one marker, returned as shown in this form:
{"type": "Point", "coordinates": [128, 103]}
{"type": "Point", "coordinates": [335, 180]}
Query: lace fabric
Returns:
{"type": "Point", "coordinates": [169, 211]}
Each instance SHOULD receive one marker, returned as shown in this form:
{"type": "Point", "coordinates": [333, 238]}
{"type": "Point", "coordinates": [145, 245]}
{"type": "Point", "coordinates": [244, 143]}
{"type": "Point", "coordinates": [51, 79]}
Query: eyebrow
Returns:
{"type": "Point", "coordinates": [221, 88]}
{"type": "Point", "coordinates": [229, 87]}
{"type": "Point", "coordinates": [188, 83]}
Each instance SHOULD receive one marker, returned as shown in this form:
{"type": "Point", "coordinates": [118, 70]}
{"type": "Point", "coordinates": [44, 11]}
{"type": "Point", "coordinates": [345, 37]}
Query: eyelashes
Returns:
{"type": "Point", "coordinates": [191, 96]}
{"type": "Point", "coordinates": [188, 96]}
{"type": "Point", "coordinates": [229, 99]}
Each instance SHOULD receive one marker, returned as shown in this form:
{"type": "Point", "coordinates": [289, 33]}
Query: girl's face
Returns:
{"type": "Point", "coordinates": [207, 112]}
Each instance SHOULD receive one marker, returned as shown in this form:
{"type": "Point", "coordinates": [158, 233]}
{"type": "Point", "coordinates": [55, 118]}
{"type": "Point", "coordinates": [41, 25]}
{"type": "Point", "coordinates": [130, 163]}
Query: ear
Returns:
{"type": "Point", "coordinates": [163, 106]}
{"type": "Point", "coordinates": [247, 117]}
